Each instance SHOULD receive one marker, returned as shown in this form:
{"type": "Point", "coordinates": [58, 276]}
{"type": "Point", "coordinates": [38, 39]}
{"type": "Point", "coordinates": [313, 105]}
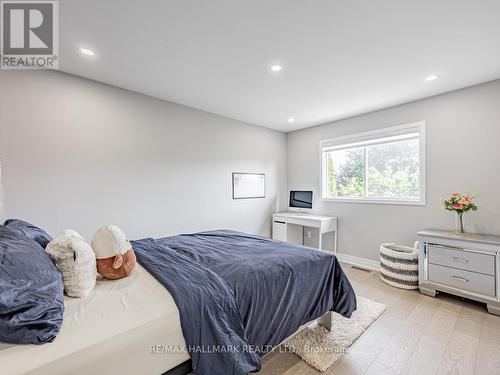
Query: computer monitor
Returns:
{"type": "Point", "coordinates": [301, 199]}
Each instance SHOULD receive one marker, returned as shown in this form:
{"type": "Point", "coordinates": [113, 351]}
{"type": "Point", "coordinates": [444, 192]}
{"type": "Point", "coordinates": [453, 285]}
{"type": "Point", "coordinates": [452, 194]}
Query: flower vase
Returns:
{"type": "Point", "coordinates": [459, 227]}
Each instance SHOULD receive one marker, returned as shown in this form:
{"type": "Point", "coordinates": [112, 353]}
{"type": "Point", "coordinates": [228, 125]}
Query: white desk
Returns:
{"type": "Point", "coordinates": [290, 227]}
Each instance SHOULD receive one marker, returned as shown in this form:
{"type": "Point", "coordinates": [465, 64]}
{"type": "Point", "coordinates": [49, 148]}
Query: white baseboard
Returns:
{"type": "Point", "coordinates": [359, 262]}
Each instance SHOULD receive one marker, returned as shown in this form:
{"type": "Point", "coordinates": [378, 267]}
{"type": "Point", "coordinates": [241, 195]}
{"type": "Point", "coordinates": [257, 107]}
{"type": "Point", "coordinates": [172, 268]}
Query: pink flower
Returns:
{"type": "Point", "coordinates": [458, 206]}
{"type": "Point", "coordinates": [464, 200]}
{"type": "Point", "coordinates": [455, 194]}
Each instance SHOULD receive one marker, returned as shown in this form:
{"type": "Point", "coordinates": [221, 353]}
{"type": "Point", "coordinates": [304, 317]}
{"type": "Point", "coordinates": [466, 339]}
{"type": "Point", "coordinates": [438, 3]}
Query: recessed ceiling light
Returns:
{"type": "Point", "coordinates": [276, 68]}
{"type": "Point", "coordinates": [291, 119]}
{"type": "Point", "coordinates": [86, 51]}
{"type": "Point", "coordinates": [431, 78]}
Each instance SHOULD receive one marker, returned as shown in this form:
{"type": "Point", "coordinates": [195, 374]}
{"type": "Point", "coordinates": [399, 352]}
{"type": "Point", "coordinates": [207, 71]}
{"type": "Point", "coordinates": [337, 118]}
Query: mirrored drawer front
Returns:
{"type": "Point", "coordinates": [465, 260]}
{"type": "Point", "coordinates": [460, 279]}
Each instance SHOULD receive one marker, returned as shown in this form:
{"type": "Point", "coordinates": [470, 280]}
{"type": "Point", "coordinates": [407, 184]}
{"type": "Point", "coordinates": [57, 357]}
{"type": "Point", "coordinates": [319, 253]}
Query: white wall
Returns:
{"type": "Point", "coordinates": [463, 154]}
{"type": "Point", "coordinates": [79, 154]}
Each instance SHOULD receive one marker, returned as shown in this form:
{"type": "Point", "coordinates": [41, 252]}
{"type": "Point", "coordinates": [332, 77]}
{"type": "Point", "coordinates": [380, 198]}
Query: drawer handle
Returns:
{"type": "Point", "coordinates": [458, 278]}
{"type": "Point", "coordinates": [279, 222]}
{"type": "Point", "coordinates": [462, 260]}
{"type": "Point", "coordinates": [445, 247]}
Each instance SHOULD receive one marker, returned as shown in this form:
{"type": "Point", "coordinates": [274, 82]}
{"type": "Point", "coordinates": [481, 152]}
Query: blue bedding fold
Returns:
{"type": "Point", "coordinates": [242, 291]}
{"type": "Point", "coordinates": [208, 309]}
{"type": "Point", "coordinates": [31, 291]}
{"type": "Point", "coordinates": [29, 230]}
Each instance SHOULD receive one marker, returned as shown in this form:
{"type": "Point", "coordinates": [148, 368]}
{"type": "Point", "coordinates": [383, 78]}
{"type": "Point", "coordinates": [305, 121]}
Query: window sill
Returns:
{"type": "Point", "coordinates": [400, 202]}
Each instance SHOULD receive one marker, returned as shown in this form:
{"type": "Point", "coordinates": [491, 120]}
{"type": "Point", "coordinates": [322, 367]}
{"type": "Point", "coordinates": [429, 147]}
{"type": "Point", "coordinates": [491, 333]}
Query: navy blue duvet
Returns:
{"type": "Point", "coordinates": [240, 295]}
{"type": "Point", "coordinates": [31, 291]}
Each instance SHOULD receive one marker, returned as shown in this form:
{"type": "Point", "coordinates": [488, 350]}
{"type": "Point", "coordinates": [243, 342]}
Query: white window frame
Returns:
{"type": "Point", "coordinates": [413, 127]}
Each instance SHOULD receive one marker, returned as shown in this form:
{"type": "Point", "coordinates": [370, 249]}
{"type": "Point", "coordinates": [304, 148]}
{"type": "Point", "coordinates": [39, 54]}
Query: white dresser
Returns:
{"type": "Point", "coordinates": [466, 265]}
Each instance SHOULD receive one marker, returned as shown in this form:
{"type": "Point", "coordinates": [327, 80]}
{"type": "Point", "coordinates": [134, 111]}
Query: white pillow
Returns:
{"type": "Point", "coordinates": [75, 260]}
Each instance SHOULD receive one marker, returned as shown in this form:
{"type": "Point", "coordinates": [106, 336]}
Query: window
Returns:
{"type": "Point", "coordinates": [382, 166]}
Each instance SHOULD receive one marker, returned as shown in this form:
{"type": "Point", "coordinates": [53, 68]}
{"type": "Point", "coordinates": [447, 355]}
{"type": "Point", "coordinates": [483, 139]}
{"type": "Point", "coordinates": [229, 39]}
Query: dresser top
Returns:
{"type": "Point", "coordinates": [471, 237]}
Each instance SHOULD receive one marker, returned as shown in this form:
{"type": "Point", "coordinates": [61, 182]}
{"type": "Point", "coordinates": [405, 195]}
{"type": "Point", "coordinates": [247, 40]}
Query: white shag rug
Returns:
{"type": "Point", "coordinates": [321, 349]}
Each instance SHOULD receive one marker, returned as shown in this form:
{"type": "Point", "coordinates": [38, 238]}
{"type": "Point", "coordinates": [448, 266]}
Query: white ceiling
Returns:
{"type": "Point", "coordinates": [339, 58]}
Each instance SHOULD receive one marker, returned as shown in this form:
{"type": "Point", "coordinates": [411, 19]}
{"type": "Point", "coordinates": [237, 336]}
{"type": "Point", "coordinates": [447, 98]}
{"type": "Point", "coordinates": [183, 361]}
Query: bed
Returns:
{"type": "Point", "coordinates": [192, 291]}
{"type": "Point", "coordinates": [109, 332]}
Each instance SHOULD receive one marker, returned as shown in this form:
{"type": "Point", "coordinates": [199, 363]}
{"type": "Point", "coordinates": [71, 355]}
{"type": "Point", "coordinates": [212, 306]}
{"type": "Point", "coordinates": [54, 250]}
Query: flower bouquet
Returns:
{"type": "Point", "coordinates": [460, 204]}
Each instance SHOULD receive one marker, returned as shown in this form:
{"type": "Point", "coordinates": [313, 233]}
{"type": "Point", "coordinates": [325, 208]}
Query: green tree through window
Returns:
{"type": "Point", "coordinates": [388, 167]}
{"type": "Point", "coordinates": [332, 177]}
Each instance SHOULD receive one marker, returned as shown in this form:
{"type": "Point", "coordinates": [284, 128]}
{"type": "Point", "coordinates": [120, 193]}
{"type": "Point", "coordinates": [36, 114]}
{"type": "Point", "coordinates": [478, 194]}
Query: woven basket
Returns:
{"type": "Point", "coordinates": [399, 265]}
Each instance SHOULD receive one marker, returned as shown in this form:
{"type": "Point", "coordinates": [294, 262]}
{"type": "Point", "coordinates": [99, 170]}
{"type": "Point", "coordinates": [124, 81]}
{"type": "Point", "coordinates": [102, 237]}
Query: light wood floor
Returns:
{"type": "Point", "coordinates": [415, 335]}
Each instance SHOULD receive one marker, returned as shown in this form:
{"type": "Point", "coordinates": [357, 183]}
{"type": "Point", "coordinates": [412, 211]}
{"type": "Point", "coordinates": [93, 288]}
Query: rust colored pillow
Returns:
{"type": "Point", "coordinates": [115, 257]}
{"type": "Point", "coordinates": [117, 267]}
